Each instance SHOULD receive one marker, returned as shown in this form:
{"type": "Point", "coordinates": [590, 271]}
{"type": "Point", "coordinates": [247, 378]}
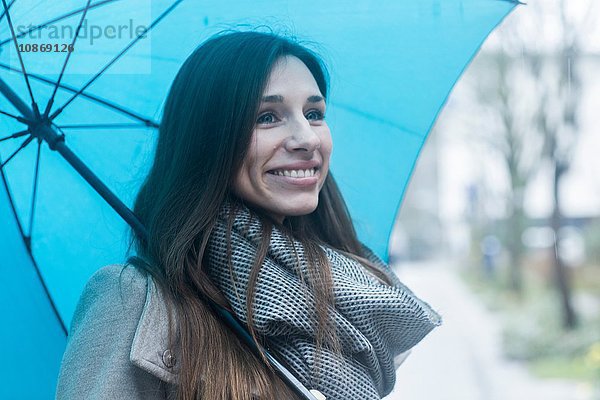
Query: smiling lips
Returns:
{"type": "Point", "coordinates": [296, 178]}
{"type": "Point", "coordinates": [295, 173]}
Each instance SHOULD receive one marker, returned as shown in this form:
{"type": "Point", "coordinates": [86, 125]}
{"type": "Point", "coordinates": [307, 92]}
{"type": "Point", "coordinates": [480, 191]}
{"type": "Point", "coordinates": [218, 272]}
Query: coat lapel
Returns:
{"type": "Point", "coordinates": [150, 349]}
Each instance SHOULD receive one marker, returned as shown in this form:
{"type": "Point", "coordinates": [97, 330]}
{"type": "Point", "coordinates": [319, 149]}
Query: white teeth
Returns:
{"type": "Point", "coordinates": [296, 173]}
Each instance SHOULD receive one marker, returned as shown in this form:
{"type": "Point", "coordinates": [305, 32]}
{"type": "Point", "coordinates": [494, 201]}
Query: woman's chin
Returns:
{"type": "Point", "coordinates": [296, 207]}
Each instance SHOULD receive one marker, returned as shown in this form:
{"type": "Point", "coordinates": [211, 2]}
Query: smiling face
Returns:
{"type": "Point", "coordinates": [288, 158]}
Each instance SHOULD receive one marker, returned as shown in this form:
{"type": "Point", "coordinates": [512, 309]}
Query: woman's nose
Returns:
{"type": "Point", "coordinates": [302, 137]}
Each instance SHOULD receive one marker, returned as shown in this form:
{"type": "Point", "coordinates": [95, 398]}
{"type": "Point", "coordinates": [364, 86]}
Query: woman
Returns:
{"type": "Point", "coordinates": [241, 208]}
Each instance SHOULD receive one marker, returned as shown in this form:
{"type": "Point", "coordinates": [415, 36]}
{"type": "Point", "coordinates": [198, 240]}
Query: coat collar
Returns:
{"type": "Point", "coordinates": [150, 349]}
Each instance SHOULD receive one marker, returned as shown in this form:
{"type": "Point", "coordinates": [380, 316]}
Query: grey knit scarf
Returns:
{"type": "Point", "coordinates": [375, 322]}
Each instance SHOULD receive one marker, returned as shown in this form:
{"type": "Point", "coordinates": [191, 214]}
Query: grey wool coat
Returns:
{"type": "Point", "coordinates": [118, 341]}
{"type": "Point", "coordinates": [117, 347]}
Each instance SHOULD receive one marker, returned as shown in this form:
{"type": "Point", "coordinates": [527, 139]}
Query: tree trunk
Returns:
{"type": "Point", "coordinates": [515, 251]}
{"type": "Point", "coordinates": [561, 275]}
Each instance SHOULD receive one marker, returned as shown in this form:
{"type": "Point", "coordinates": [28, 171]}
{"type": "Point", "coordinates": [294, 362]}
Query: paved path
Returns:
{"type": "Point", "coordinates": [461, 360]}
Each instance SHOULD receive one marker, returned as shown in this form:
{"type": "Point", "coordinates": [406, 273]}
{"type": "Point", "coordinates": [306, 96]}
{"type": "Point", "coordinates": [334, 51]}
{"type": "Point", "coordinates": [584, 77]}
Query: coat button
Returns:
{"type": "Point", "coordinates": [168, 359]}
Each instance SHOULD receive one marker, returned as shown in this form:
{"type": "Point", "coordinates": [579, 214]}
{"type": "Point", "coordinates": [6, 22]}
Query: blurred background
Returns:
{"type": "Point", "coordinates": [500, 226]}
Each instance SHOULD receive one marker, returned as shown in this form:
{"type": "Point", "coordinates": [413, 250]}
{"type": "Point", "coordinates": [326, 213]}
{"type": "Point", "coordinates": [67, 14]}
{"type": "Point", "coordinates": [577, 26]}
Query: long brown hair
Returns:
{"type": "Point", "coordinates": [207, 123]}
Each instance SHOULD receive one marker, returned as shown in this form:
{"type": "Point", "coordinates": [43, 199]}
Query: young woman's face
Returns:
{"type": "Point", "coordinates": [288, 157]}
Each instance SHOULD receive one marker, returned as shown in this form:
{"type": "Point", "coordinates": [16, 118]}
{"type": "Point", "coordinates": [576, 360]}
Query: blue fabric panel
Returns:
{"type": "Point", "coordinates": [33, 340]}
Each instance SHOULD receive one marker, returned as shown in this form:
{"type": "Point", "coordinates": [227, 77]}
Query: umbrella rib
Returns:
{"type": "Point", "coordinates": [45, 24]}
{"type": "Point", "coordinates": [12, 31]}
{"type": "Point", "coordinates": [117, 57]}
{"type": "Point", "coordinates": [4, 12]}
{"type": "Point", "coordinates": [35, 186]}
{"type": "Point", "coordinates": [12, 203]}
{"type": "Point", "coordinates": [27, 242]}
{"type": "Point", "coordinates": [62, 71]}
{"type": "Point", "coordinates": [20, 119]}
{"type": "Point", "coordinates": [21, 147]}
{"type": "Point", "coordinates": [146, 121]}
{"type": "Point", "coordinates": [15, 135]}
{"type": "Point", "coordinates": [378, 119]}
{"type": "Point", "coordinates": [101, 126]}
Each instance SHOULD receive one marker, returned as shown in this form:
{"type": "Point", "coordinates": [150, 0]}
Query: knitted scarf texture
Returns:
{"type": "Point", "coordinates": [374, 321]}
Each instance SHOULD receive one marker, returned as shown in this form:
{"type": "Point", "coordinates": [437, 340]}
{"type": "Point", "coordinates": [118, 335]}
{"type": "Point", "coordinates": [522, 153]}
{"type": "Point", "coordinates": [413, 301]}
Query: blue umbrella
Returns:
{"type": "Point", "coordinates": [393, 65]}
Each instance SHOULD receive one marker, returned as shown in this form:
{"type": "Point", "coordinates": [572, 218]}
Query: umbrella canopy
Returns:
{"type": "Point", "coordinates": [392, 65]}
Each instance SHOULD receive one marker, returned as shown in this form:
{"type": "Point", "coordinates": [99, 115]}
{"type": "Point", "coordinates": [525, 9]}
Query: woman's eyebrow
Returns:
{"type": "Point", "coordinates": [276, 98]}
{"type": "Point", "coordinates": [315, 99]}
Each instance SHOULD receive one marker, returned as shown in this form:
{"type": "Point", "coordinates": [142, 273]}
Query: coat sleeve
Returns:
{"type": "Point", "coordinates": [96, 362]}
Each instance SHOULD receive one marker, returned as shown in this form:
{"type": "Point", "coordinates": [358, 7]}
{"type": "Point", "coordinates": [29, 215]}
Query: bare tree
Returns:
{"type": "Point", "coordinates": [558, 121]}
{"type": "Point", "coordinates": [501, 90]}
{"type": "Point", "coordinates": [535, 100]}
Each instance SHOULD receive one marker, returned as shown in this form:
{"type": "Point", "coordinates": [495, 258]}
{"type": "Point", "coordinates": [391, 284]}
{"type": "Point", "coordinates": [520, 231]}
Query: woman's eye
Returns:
{"type": "Point", "coordinates": [315, 115]}
{"type": "Point", "coordinates": [266, 118]}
